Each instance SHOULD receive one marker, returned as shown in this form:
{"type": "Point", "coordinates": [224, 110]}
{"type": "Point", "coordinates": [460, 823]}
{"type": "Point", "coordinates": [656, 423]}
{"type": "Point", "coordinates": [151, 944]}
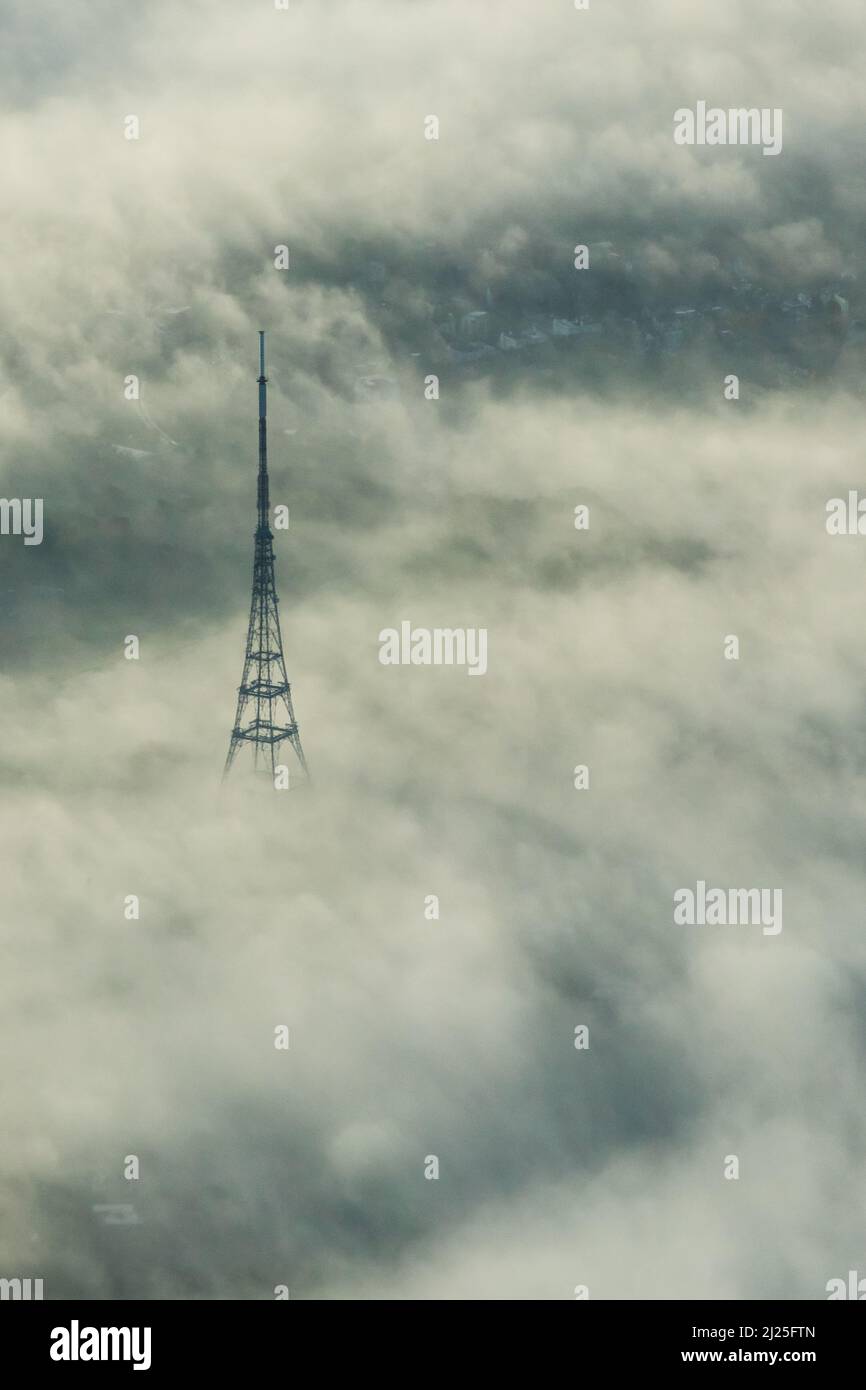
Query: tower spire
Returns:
{"type": "Point", "coordinates": [263, 489]}
{"type": "Point", "coordinates": [270, 720]}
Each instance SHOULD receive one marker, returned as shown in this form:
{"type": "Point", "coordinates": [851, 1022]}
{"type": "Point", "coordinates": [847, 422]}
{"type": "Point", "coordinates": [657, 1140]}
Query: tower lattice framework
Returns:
{"type": "Point", "coordinates": [265, 716]}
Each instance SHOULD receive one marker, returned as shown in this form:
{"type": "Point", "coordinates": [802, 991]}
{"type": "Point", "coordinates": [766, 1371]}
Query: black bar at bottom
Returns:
{"type": "Point", "coordinates": [217, 1338]}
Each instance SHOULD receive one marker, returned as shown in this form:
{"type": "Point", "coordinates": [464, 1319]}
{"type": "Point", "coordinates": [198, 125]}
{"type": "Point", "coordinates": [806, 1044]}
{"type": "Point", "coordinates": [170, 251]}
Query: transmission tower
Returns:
{"type": "Point", "coordinates": [264, 694]}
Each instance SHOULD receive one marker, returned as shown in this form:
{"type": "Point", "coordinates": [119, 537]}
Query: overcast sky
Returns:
{"type": "Point", "coordinates": [411, 1038]}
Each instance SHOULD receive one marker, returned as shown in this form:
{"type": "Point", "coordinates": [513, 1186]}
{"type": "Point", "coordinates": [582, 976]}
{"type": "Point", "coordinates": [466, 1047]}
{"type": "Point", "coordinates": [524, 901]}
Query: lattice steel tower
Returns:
{"type": "Point", "coordinates": [264, 686]}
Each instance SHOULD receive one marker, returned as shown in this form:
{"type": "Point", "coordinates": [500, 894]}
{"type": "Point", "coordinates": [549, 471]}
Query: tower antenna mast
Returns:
{"type": "Point", "coordinates": [265, 716]}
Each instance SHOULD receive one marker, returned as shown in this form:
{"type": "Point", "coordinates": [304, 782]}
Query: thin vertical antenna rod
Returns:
{"type": "Point", "coordinates": [263, 489]}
